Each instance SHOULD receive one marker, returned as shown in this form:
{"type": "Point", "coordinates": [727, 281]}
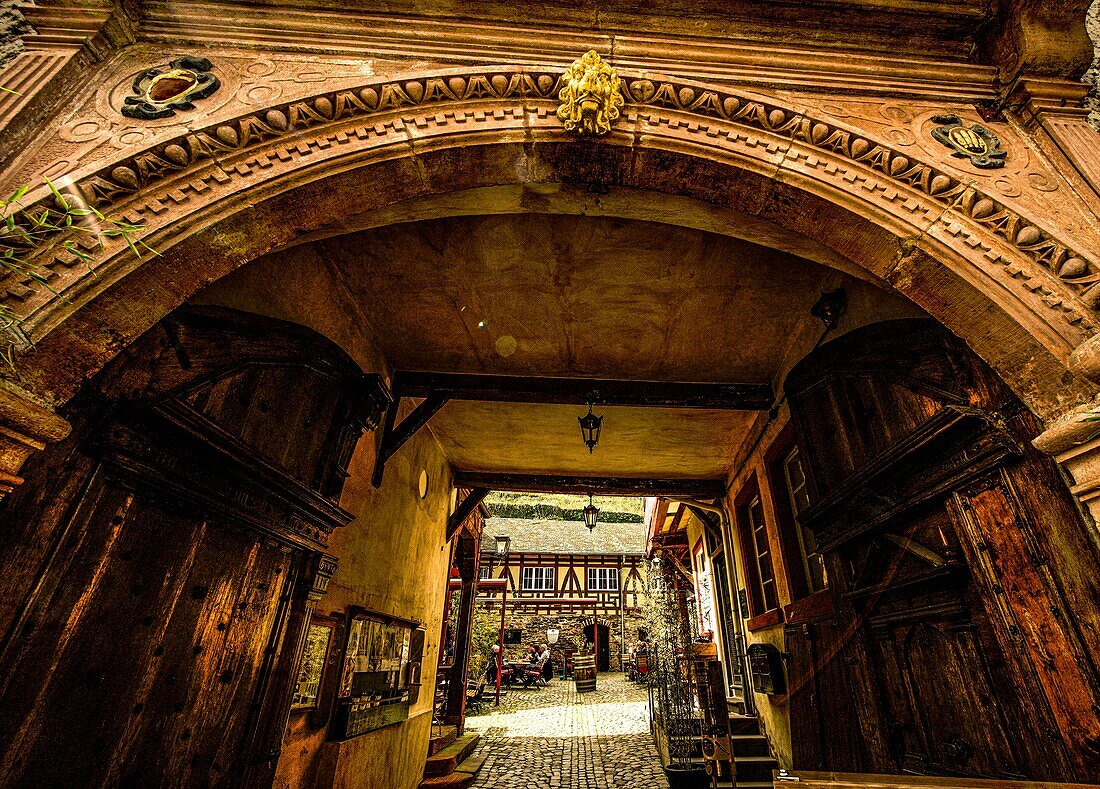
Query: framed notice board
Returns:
{"type": "Point", "coordinates": [378, 672]}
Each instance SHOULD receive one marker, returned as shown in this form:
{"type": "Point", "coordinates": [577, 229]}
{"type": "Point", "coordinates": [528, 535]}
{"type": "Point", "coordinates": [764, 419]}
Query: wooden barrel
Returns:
{"type": "Point", "coordinates": [584, 673]}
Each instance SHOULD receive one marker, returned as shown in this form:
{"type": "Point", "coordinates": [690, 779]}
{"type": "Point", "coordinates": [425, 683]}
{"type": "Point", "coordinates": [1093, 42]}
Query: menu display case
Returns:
{"type": "Point", "coordinates": [315, 656]}
{"type": "Point", "coordinates": [379, 669]}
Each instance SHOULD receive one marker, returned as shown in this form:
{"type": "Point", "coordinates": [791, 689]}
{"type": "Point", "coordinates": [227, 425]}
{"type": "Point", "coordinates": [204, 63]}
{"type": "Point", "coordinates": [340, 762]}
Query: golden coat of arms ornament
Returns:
{"type": "Point", "coordinates": [975, 142]}
{"type": "Point", "coordinates": [591, 96]}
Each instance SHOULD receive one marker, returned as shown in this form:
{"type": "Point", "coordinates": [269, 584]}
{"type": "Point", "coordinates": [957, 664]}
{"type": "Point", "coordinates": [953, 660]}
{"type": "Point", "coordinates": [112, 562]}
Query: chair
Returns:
{"type": "Point", "coordinates": [507, 674]}
{"type": "Point", "coordinates": [532, 674]}
{"type": "Point", "coordinates": [475, 696]}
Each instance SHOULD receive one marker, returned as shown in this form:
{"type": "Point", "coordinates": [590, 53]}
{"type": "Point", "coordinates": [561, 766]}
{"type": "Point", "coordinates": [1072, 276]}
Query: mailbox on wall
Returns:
{"type": "Point", "coordinates": [766, 667]}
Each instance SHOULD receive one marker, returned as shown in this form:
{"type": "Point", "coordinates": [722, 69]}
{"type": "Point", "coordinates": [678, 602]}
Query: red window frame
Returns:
{"type": "Point", "coordinates": [762, 612]}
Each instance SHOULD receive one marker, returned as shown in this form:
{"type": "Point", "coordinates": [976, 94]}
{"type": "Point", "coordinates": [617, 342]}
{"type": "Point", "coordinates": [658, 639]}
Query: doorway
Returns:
{"type": "Point", "coordinates": [603, 645]}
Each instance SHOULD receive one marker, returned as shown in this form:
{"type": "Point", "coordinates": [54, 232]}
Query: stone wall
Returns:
{"type": "Point", "coordinates": [571, 636]}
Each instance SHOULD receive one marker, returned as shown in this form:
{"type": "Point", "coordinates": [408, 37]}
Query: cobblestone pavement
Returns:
{"type": "Point", "coordinates": [556, 738]}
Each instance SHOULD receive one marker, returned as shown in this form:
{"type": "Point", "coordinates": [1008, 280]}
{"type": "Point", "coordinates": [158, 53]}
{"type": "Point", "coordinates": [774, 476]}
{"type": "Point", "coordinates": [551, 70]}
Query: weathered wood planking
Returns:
{"type": "Point", "coordinates": [964, 580]}
{"type": "Point", "coordinates": [158, 569]}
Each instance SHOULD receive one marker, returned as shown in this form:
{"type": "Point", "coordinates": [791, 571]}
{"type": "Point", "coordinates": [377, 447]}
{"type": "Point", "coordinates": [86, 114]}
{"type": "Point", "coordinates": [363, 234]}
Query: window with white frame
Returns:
{"type": "Point", "coordinates": [538, 579]}
{"type": "Point", "coordinates": [603, 579]}
{"type": "Point", "coordinates": [484, 572]}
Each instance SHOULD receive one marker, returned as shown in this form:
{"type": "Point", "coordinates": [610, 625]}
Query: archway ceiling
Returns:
{"type": "Point", "coordinates": [561, 295]}
{"type": "Point", "coordinates": [554, 295]}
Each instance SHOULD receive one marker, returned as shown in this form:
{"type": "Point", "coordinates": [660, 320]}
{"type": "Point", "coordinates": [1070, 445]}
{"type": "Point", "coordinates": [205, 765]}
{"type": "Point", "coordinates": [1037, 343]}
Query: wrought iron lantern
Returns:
{"type": "Point", "coordinates": [502, 544]}
{"type": "Point", "coordinates": [591, 513]}
{"type": "Point", "coordinates": [590, 428]}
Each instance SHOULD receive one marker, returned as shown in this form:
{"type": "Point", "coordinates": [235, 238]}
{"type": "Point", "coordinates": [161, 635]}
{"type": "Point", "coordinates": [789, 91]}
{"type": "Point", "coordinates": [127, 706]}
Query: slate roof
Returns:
{"type": "Point", "coordinates": [555, 536]}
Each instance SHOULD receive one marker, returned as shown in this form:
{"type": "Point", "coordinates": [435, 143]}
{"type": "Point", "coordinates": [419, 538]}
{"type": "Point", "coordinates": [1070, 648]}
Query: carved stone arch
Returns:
{"type": "Point", "coordinates": [459, 141]}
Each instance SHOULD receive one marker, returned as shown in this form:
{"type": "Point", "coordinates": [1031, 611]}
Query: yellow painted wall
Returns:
{"type": "Point", "coordinates": [773, 710]}
{"type": "Point", "coordinates": [393, 560]}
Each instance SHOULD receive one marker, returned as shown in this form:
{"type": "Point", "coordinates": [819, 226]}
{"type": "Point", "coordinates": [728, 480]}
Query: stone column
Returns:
{"type": "Point", "coordinates": [1074, 440]}
{"type": "Point", "coordinates": [25, 428]}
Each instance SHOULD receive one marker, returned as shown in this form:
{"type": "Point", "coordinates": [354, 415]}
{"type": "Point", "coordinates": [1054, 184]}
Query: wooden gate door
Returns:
{"type": "Point", "coordinates": [824, 728]}
{"type": "Point", "coordinates": [159, 567]}
{"type": "Point", "coordinates": [963, 577]}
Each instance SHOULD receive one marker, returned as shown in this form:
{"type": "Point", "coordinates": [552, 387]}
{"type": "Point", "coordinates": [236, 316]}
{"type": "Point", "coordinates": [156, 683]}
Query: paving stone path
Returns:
{"type": "Point", "coordinates": [556, 738]}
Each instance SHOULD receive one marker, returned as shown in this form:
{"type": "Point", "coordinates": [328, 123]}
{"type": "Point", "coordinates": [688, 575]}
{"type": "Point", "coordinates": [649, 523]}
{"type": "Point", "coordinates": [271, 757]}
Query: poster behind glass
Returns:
{"type": "Point", "coordinates": [374, 683]}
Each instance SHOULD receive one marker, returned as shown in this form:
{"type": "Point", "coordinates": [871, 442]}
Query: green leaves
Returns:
{"type": "Point", "coordinates": [28, 229]}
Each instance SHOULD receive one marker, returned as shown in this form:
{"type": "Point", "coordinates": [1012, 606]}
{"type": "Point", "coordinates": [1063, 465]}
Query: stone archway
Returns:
{"type": "Point", "coordinates": [999, 275]}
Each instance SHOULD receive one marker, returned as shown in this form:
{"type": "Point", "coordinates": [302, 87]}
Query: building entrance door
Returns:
{"type": "Point", "coordinates": [602, 642]}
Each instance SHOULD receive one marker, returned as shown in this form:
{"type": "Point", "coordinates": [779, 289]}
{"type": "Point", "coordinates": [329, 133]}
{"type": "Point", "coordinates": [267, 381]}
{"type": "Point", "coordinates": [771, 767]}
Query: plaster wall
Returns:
{"type": "Point", "coordinates": [301, 286]}
{"type": "Point", "coordinates": [773, 711]}
{"type": "Point", "coordinates": [393, 559]}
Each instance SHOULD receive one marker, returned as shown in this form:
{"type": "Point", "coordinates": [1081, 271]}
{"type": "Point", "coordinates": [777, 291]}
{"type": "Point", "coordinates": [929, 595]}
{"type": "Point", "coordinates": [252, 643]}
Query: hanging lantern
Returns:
{"type": "Point", "coordinates": [502, 544]}
{"type": "Point", "coordinates": [590, 428]}
{"type": "Point", "coordinates": [591, 513]}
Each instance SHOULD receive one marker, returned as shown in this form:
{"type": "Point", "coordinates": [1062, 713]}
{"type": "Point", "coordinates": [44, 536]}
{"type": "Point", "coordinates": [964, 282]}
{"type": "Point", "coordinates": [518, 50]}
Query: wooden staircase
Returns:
{"type": "Point", "coordinates": [450, 764]}
{"type": "Point", "coordinates": [751, 757]}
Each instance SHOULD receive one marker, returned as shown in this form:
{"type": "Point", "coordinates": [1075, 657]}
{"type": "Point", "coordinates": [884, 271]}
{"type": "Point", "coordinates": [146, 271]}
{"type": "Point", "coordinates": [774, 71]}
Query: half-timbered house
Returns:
{"type": "Point", "coordinates": [588, 586]}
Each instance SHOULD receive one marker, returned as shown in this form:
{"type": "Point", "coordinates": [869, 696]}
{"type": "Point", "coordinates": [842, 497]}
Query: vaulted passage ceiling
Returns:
{"type": "Point", "coordinates": [542, 295]}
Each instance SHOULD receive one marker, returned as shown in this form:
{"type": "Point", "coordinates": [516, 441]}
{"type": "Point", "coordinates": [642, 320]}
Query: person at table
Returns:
{"type": "Point", "coordinates": [547, 667]}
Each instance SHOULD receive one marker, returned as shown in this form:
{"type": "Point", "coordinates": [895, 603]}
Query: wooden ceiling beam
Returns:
{"type": "Point", "coordinates": [600, 486]}
{"type": "Point", "coordinates": [581, 391]}
{"type": "Point", "coordinates": [464, 510]}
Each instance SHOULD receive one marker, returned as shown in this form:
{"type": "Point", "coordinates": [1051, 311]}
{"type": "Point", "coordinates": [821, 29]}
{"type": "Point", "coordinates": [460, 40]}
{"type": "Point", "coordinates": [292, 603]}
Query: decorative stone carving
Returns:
{"type": "Point", "coordinates": [177, 176]}
{"type": "Point", "coordinates": [1074, 442]}
{"type": "Point", "coordinates": [974, 142]}
{"type": "Point", "coordinates": [591, 96]}
{"type": "Point", "coordinates": [160, 91]}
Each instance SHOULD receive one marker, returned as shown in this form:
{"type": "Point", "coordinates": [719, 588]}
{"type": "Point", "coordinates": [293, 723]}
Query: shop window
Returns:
{"type": "Point", "coordinates": [313, 661]}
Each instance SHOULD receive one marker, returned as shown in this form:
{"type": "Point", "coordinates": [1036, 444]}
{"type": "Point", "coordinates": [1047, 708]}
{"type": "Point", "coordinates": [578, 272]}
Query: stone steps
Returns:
{"type": "Point", "coordinates": [463, 775]}
{"type": "Point", "coordinates": [446, 760]}
{"type": "Point", "coordinates": [439, 742]}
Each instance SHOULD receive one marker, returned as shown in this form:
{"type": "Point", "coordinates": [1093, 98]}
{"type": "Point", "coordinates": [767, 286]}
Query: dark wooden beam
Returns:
{"type": "Point", "coordinates": [464, 510]}
{"type": "Point", "coordinates": [580, 391]}
{"type": "Point", "coordinates": [395, 436]}
{"type": "Point", "coordinates": [601, 486]}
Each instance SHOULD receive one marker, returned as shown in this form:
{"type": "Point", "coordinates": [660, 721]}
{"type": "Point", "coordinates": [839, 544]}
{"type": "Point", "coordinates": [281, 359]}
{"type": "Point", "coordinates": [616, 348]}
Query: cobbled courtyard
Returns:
{"type": "Point", "coordinates": [556, 738]}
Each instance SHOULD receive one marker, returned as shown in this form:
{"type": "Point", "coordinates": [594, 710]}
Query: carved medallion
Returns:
{"type": "Point", "coordinates": [591, 96]}
{"type": "Point", "coordinates": [975, 142]}
{"type": "Point", "coordinates": [159, 92]}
